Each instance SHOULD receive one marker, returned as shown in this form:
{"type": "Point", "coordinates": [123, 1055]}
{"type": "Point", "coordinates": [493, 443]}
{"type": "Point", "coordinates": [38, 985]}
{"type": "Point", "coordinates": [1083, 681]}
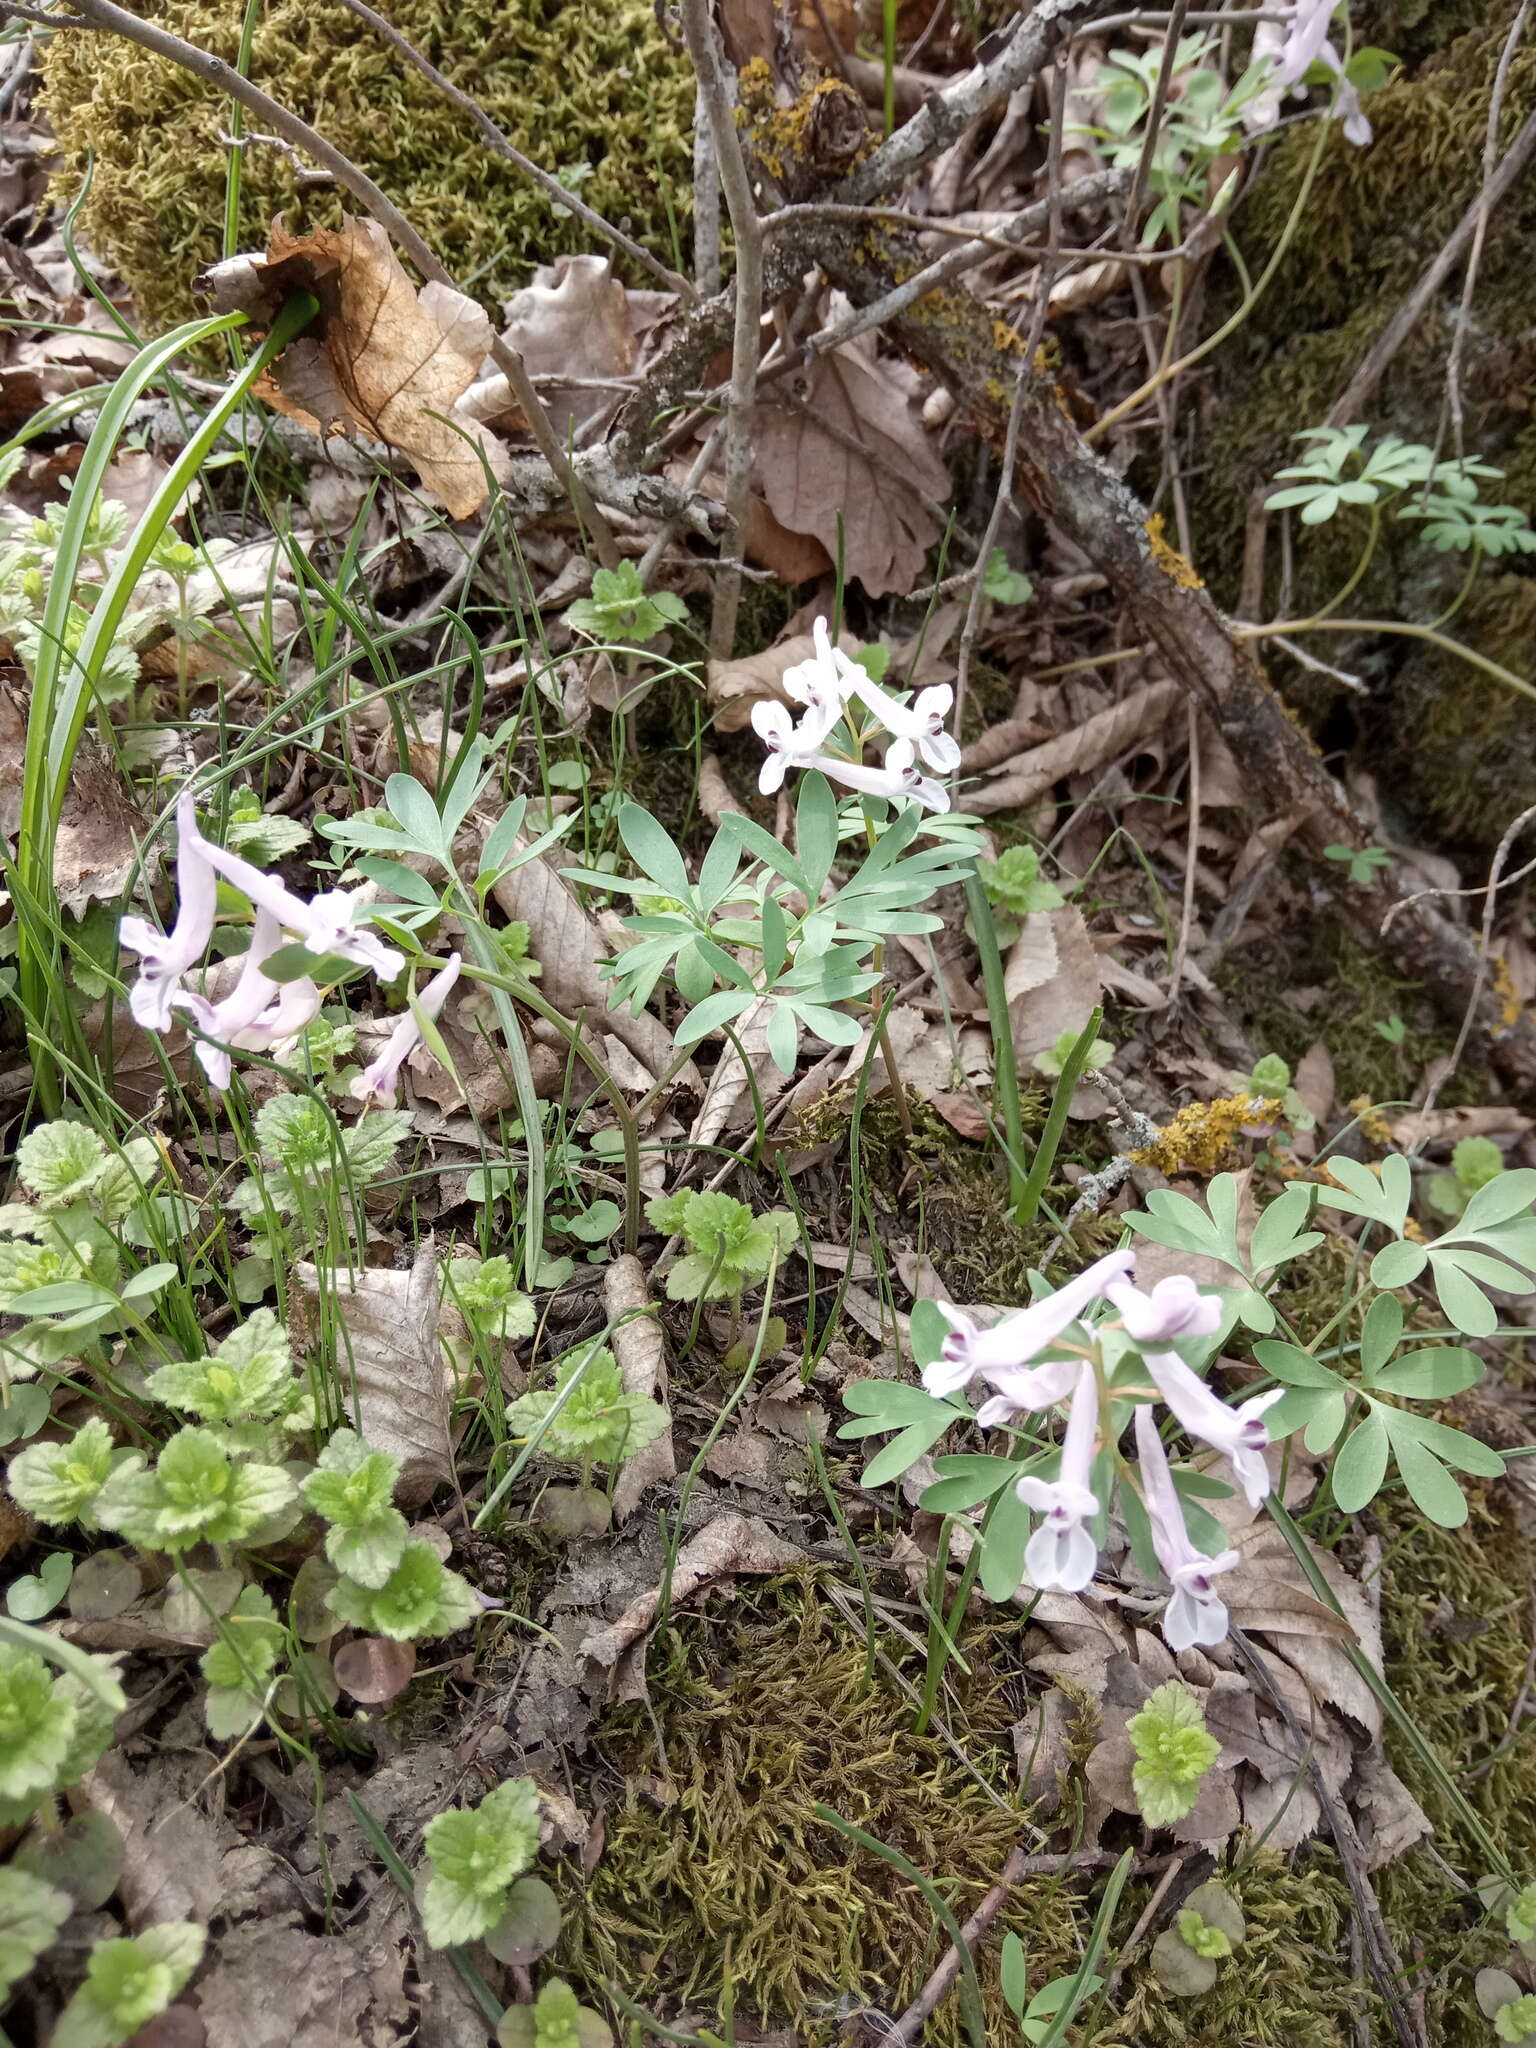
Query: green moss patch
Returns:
{"type": "Point", "coordinates": [589, 84]}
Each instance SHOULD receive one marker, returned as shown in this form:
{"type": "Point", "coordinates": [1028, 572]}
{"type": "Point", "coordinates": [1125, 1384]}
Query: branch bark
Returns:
{"type": "Point", "coordinates": [1064, 481]}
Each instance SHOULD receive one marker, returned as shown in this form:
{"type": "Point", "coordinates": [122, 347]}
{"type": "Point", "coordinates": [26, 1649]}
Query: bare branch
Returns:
{"type": "Point", "coordinates": [746, 333]}
{"type": "Point", "coordinates": [945, 117]}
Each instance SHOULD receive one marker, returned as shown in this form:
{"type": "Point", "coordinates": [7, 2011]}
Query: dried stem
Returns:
{"type": "Point", "coordinates": [746, 338]}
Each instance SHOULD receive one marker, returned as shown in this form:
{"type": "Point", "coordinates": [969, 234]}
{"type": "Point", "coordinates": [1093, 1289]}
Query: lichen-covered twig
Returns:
{"type": "Point", "coordinates": [1093, 190]}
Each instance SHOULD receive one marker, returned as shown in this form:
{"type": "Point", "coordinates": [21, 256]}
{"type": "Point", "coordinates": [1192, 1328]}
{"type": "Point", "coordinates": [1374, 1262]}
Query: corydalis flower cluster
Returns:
{"type": "Point", "coordinates": [1014, 1359]}
{"type": "Point", "coordinates": [260, 1014]}
{"type": "Point", "coordinates": [1292, 48]}
{"type": "Point", "coordinates": [825, 686]}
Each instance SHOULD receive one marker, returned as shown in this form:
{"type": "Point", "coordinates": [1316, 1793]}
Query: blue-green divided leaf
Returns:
{"type": "Point", "coordinates": [1002, 1547]}
{"type": "Point", "coordinates": [1466, 1306]}
{"type": "Point", "coordinates": [722, 1008]}
{"type": "Point", "coordinates": [1325, 1422]}
{"type": "Point", "coordinates": [1432, 1375]}
{"type": "Point", "coordinates": [1294, 1367]}
{"type": "Point", "coordinates": [1399, 1265]}
{"type": "Point", "coordinates": [881, 1405]}
{"type": "Point", "coordinates": [1280, 1233]}
{"type": "Point", "coordinates": [417, 814]}
{"type": "Point", "coordinates": [816, 829]}
{"type": "Point", "coordinates": [1430, 1487]}
{"type": "Point", "coordinates": [1380, 1335]}
{"type": "Point", "coordinates": [964, 1480]}
{"type": "Point", "coordinates": [1361, 1465]}
{"type": "Point", "coordinates": [927, 1331]}
{"type": "Point", "coordinates": [650, 846]}
{"type": "Point", "coordinates": [1497, 1201]}
{"type": "Point", "coordinates": [1454, 1446]}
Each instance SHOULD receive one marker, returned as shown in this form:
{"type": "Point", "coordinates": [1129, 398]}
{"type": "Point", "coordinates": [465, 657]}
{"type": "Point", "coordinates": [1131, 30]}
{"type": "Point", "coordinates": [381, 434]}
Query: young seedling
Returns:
{"type": "Point", "coordinates": [1206, 1930]}
{"type": "Point", "coordinates": [1174, 1751]}
{"type": "Point", "coordinates": [473, 1855]}
{"type": "Point", "coordinates": [729, 1247]}
{"type": "Point", "coordinates": [1474, 1163]}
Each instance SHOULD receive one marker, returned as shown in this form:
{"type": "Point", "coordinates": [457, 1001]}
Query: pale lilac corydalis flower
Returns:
{"type": "Point", "coordinates": [258, 1014]}
{"type": "Point", "coordinates": [1196, 1613]}
{"type": "Point", "coordinates": [378, 1085]}
{"type": "Point", "coordinates": [1292, 48]}
{"type": "Point", "coordinates": [1061, 1552]}
{"type": "Point", "coordinates": [1239, 1434]}
{"type": "Point", "coordinates": [1019, 1339]}
{"type": "Point", "coordinates": [167, 956]}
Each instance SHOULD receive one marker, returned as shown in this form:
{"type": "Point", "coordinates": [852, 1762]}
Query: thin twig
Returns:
{"type": "Point", "coordinates": [946, 116]}
{"type": "Point", "coordinates": [1501, 854]}
{"type": "Point", "coordinates": [1130, 225]}
{"type": "Point", "coordinates": [706, 200]}
{"type": "Point", "coordinates": [104, 17]}
{"type": "Point", "coordinates": [502, 146]}
{"type": "Point", "coordinates": [1092, 190]}
{"type": "Point", "coordinates": [746, 341]}
{"type": "Point", "coordinates": [1383, 350]}
{"type": "Point", "coordinates": [1044, 278]}
{"type": "Point", "coordinates": [1380, 1955]}
{"type": "Point", "coordinates": [1479, 233]}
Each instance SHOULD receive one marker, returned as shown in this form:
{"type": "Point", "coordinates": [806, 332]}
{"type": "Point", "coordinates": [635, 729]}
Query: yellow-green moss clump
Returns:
{"type": "Point", "coordinates": [572, 83]}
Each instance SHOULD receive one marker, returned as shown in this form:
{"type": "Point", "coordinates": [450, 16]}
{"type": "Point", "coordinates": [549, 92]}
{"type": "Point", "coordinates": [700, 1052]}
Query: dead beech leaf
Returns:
{"type": "Point", "coordinates": [573, 321]}
{"type": "Point", "coordinates": [1314, 1081]}
{"type": "Point", "coordinates": [390, 1358]}
{"type": "Point", "coordinates": [101, 828]}
{"type": "Point", "coordinates": [728, 1545]}
{"type": "Point", "coordinates": [853, 447]}
{"type": "Point", "coordinates": [1052, 980]}
{"type": "Point", "coordinates": [569, 946]}
{"type": "Point", "coordinates": [639, 1351]}
{"type": "Point", "coordinates": [373, 1670]}
{"type": "Point", "coordinates": [381, 359]}
{"type": "Point", "coordinates": [272, 1985]}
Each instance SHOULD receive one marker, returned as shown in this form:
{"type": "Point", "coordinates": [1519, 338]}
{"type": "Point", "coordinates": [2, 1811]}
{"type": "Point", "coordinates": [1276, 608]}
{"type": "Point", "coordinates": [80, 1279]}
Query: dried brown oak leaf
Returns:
{"type": "Point", "coordinates": [382, 359]}
{"type": "Point", "coordinates": [851, 444]}
{"type": "Point", "coordinates": [573, 321]}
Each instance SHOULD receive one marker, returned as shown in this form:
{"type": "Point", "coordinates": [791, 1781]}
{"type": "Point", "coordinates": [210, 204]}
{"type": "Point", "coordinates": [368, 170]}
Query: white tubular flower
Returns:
{"type": "Point", "coordinates": [899, 777]}
{"type": "Point", "coordinates": [323, 926]}
{"type": "Point", "coordinates": [789, 745]}
{"type": "Point", "coordinates": [1019, 1339]}
{"type": "Point", "coordinates": [1174, 1308]}
{"type": "Point", "coordinates": [822, 683]}
{"type": "Point", "coordinates": [242, 1008]}
{"type": "Point", "coordinates": [167, 956]}
{"type": "Point", "coordinates": [378, 1085]}
{"type": "Point", "coordinates": [921, 723]}
{"type": "Point", "coordinates": [1292, 49]}
{"type": "Point", "coordinates": [1238, 1433]}
{"type": "Point", "coordinates": [1061, 1552]}
{"type": "Point", "coordinates": [1196, 1613]}
{"type": "Point", "coordinates": [297, 1004]}
{"type": "Point", "coordinates": [1025, 1389]}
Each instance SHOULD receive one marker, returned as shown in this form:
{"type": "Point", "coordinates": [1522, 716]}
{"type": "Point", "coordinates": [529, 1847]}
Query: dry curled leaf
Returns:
{"type": "Point", "coordinates": [728, 1545]}
{"type": "Point", "coordinates": [851, 447]}
{"type": "Point", "coordinates": [572, 321]}
{"type": "Point", "coordinates": [390, 1359]}
{"type": "Point", "coordinates": [382, 358]}
{"type": "Point", "coordinates": [373, 1670]}
{"type": "Point", "coordinates": [639, 1351]}
{"type": "Point", "coordinates": [1052, 980]}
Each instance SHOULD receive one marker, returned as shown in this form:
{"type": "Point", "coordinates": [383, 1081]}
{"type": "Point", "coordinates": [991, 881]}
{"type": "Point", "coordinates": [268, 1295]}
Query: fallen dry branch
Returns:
{"type": "Point", "coordinates": [1064, 481]}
